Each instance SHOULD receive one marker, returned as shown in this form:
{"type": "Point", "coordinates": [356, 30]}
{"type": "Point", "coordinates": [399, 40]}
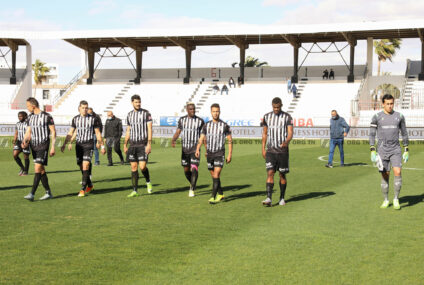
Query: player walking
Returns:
{"type": "Point", "coordinates": [278, 132]}
{"type": "Point", "coordinates": [139, 135]}
{"type": "Point", "coordinates": [17, 143]}
{"type": "Point", "coordinates": [213, 135]}
{"type": "Point", "coordinates": [190, 127]}
{"type": "Point", "coordinates": [84, 125]}
{"type": "Point", "coordinates": [40, 126]}
{"type": "Point", "coordinates": [387, 125]}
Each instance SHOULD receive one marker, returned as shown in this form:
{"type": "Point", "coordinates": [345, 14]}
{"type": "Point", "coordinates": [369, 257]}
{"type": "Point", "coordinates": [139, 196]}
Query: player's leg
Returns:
{"type": "Point", "coordinates": [45, 181]}
{"type": "Point", "coordinates": [133, 159]}
{"type": "Point", "coordinates": [18, 160]}
{"type": "Point", "coordinates": [215, 173]}
{"type": "Point", "coordinates": [283, 169]}
{"type": "Point", "coordinates": [271, 167]}
{"type": "Point", "coordinates": [210, 163]}
{"type": "Point", "coordinates": [187, 173]}
{"type": "Point", "coordinates": [194, 165]}
{"type": "Point", "coordinates": [85, 177]}
{"type": "Point", "coordinates": [397, 171]}
{"type": "Point", "coordinates": [185, 163]}
{"type": "Point", "coordinates": [145, 171]}
{"type": "Point", "coordinates": [26, 158]}
{"type": "Point", "coordinates": [331, 154]}
{"type": "Point", "coordinates": [385, 175]}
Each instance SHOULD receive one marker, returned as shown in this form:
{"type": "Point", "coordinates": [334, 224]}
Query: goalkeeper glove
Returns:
{"type": "Point", "coordinates": [405, 155]}
{"type": "Point", "coordinates": [373, 154]}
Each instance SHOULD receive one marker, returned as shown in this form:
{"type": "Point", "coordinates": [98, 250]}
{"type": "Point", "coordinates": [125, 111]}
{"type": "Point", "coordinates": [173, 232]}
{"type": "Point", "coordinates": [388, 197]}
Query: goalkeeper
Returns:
{"type": "Point", "coordinates": [388, 154]}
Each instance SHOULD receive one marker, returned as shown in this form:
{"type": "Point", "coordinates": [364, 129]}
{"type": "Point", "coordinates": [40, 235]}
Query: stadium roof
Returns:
{"type": "Point", "coordinates": [231, 34]}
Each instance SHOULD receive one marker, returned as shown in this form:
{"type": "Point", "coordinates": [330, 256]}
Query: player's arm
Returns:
{"type": "Point", "coordinates": [99, 140]}
{"type": "Point", "coordinates": [15, 137]}
{"type": "Point", "coordinates": [53, 138]}
{"type": "Point", "coordinates": [199, 144]}
{"type": "Point", "coordinates": [289, 136]}
{"type": "Point", "coordinates": [68, 138]}
{"type": "Point", "coordinates": [127, 138]}
{"type": "Point", "coordinates": [175, 137]}
{"type": "Point", "coordinates": [405, 139]}
{"type": "Point", "coordinates": [264, 137]}
{"type": "Point", "coordinates": [230, 147]}
{"type": "Point", "coordinates": [27, 137]}
{"type": "Point", "coordinates": [373, 132]}
{"type": "Point", "coordinates": [149, 137]}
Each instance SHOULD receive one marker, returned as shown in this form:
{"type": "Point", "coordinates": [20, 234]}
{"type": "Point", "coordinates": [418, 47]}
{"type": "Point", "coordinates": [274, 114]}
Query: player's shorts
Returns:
{"type": "Point", "coordinates": [40, 153]}
{"type": "Point", "coordinates": [215, 161]}
{"type": "Point", "coordinates": [84, 152]}
{"type": "Point", "coordinates": [277, 161]}
{"type": "Point", "coordinates": [137, 154]}
{"type": "Point", "coordinates": [389, 161]}
{"type": "Point", "coordinates": [18, 146]}
{"type": "Point", "coordinates": [188, 159]}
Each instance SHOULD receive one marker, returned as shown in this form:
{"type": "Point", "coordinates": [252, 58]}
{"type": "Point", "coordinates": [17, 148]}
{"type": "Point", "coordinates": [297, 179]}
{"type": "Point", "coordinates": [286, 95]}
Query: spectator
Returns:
{"type": "Point", "coordinates": [331, 74]}
{"type": "Point", "coordinates": [289, 85]}
{"type": "Point", "coordinates": [325, 74]}
{"type": "Point", "coordinates": [112, 135]}
{"type": "Point", "coordinates": [231, 82]}
{"type": "Point", "coordinates": [338, 131]}
{"type": "Point", "coordinates": [215, 89]}
{"type": "Point", "coordinates": [224, 89]}
{"type": "Point", "coordinates": [294, 90]}
{"type": "Point", "coordinates": [96, 151]}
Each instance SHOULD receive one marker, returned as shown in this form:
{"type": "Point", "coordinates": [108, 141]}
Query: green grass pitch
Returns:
{"type": "Point", "coordinates": [331, 231]}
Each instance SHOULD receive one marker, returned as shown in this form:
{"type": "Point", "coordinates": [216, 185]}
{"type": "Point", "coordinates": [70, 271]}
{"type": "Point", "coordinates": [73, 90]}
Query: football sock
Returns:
{"type": "Point", "coordinates": [19, 162]}
{"type": "Point", "coordinates": [89, 169]}
{"type": "Point", "coordinates": [85, 177]}
{"type": "Point", "coordinates": [134, 180]}
{"type": "Point", "coordinates": [26, 165]}
{"type": "Point", "coordinates": [282, 190]}
{"type": "Point", "coordinates": [385, 188]}
{"type": "Point", "coordinates": [45, 182]}
{"type": "Point", "coordinates": [188, 175]}
{"type": "Point", "coordinates": [398, 185]}
{"type": "Point", "coordinates": [215, 186]}
{"type": "Point", "coordinates": [194, 175]}
{"type": "Point", "coordinates": [146, 174]}
{"type": "Point", "coordinates": [37, 177]}
{"type": "Point", "coordinates": [269, 187]}
{"type": "Point", "coordinates": [219, 187]}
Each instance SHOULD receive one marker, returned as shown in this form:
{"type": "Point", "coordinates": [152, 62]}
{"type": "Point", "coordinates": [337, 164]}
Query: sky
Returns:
{"type": "Point", "coordinates": [47, 15]}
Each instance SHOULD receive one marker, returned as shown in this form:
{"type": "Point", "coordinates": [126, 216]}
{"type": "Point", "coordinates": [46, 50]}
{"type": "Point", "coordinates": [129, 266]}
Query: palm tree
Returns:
{"type": "Point", "coordinates": [251, 61]}
{"type": "Point", "coordinates": [40, 69]}
{"type": "Point", "coordinates": [386, 50]}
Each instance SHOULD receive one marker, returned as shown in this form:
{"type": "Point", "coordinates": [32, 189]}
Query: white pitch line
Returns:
{"type": "Point", "coordinates": [366, 165]}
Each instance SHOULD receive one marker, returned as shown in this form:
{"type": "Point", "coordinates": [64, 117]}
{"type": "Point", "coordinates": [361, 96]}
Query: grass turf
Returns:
{"type": "Point", "coordinates": [330, 232]}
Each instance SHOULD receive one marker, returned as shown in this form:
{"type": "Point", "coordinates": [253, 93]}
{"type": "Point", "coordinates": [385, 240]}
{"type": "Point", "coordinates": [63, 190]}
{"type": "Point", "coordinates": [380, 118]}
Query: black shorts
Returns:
{"type": "Point", "coordinates": [84, 152]}
{"type": "Point", "coordinates": [188, 159]}
{"type": "Point", "coordinates": [277, 161]}
{"type": "Point", "coordinates": [18, 146]}
{"type": "Point", "coordinates": [137, 154]}
{"type": "Point", "coordinates": [215, 161]}
{"type": "Point", "coordinates": [40, 153]}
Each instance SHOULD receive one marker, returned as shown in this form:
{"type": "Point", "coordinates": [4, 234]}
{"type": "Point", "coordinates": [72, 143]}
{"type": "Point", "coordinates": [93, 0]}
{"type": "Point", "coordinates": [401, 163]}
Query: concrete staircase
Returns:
{"type": "Point", "coordinates": [119, 96]}
{"type": "Point", "coordinates": [295, 101]}
{"type": "Point", "coordinates": [192, 96]}
{"type": "Point", "coordinates": [407, 93]}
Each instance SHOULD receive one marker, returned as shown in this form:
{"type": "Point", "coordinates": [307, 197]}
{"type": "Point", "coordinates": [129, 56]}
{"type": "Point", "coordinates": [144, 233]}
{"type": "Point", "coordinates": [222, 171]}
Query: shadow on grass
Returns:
{"type": "Point", "coordinates": [355, 164]}
{"type": "Point", "coordinates": [411, 200]}
{"type": "Point", "coordinates": [113, 179]}
{"type": "Point", "coordinates": [243, 195]}
{"type": "Point", "coordinates": [181, 189]}
{"type": "Point", "coordinates": [63, 171]}
{"type": "Point", "coordinates": [14, 187]}
{"type": "Point", "coordinates": [98, 191]}
{"type": "Point", "coordinates": [310, 195]}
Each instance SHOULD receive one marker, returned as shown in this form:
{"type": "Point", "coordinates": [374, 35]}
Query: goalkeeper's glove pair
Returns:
{"type": "Point", "coordinates": [405, 155]}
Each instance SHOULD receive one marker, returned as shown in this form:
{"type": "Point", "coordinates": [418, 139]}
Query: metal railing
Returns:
{"type": "Point", "coordinates": [68, 86]}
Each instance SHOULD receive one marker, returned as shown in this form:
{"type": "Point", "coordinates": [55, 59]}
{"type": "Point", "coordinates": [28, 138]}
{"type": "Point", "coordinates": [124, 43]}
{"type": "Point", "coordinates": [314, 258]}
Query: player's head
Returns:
{"type": "Point", "coordinates": [32, 104]}
{"type": "Point", "coordinates": [22, 116]}
{"type": "Point", "coordinates": [110, 115]}
{"type": "Point", "coordinates": [276, 105]}
{"type": "Point", "coordinates": [334, 114]}
{"type": "Point", "coordinates": [388, 103]}
{"type": "Point", "coordinates": [136, 101]}
{"type": "Point", "coordinates": [215, 111]}
{"type": "Point", "coordinates": [83, 107]}
{"type": "Point", "coordinates": [90, 110]}
{"type": "Point", "coordinates": [191, 109]}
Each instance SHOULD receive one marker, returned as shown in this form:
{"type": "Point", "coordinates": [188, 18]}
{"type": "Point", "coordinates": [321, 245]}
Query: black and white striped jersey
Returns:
{"type": "Point", "coordinates": [137, 120]}
{"type": "Point", "coordinates": [21, 128]}
{"type": "Point", "coordinates": [39, 124]}
{"type": "Point", "coordinates": [277, 125]}
{"type": "Point", "coordinates": [216, 133]}
{"type": "Point", "coordinates": [190, 132]}
{"type": "Point", "coordinates": [85, 126]}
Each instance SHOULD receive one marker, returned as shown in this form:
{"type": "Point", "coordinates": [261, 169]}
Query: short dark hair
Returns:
{"type": "Point", "coordinates": [333, 111]}
{"type": "Point", "coordinates": [215, 105]}
{"type": "Point", "coordinates": [387, 97]}
{"type": "Point", "coordinates": [33, 101]}
{"type": "Point", "coordinates": [276, 100]}
{"type": "Point", "coordinates": [135, 97]}
{"type": "Point", "coordinates": [191, 104]}
{"type": "Point", "coordinates": [83, 102]}
{"type": "Point", "coordinates": [24, 114]}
